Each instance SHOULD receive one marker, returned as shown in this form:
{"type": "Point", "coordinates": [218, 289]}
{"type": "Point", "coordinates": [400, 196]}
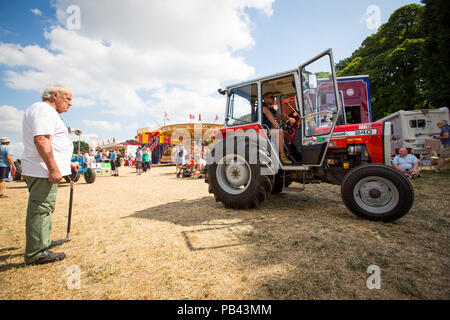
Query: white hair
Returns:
{"type": "Point", "coordinates": [57, 88]}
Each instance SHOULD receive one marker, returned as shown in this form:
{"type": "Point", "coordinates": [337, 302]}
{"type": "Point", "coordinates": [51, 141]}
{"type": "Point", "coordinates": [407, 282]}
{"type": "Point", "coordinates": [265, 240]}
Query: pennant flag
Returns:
{"type": "Point", "coordinates": [191, 116]}
{"type": "Point", "coordinates": [165, 116]}
{"type": "Point", "coordinates": [199, 117]}
{"type": "Point", "coordinates": [217, 117]}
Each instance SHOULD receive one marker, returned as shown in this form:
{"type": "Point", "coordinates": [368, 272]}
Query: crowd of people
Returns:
{"type": "Point", "coordinates": [117, 158]}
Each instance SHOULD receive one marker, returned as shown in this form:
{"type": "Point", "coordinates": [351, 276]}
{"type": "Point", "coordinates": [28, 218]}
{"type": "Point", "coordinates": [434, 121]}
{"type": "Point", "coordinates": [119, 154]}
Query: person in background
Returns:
{"type": "Point", "coordinates": [445, 144]}
{"type": "Point", "coordinates": [117, 161]}
{"type": "Point", "coordinates": [92, 160]}
{"type": "Point", "coordinates": [138, 161]}
{"type": "Point", "coordinates": [406, 163]}
{"type": "Point", "coordinates": [180, 154]}
{"type": "Point", "coordinates": [6, 165]}
{"type": "Point", "coordinates": [112, 161]}
{"type": "Point", "coordinates": [145, 160]}
{"type": "Point", "coordinates": [86, 159]}
{"type": "Point", "coordinates": [98, 157]}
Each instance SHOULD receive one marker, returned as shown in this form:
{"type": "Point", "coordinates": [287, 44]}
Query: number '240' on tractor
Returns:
{"type": "Point", "coordinates": [244, 166]}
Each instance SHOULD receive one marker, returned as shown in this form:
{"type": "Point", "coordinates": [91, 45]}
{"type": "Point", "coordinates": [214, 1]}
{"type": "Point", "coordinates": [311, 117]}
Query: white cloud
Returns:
{"type": "Point", "coordinates": [132, 47]}
{"type": "Point", "coordinates": [82, 102]}
{"type": "Point", "coordinates": [103, 125]}
{"type": "Point", "coordinates": [17, 149]}
{"type": "Point", "coordinates": [36, 11]}
{"type": "Point", "coordinates": [11, 119]}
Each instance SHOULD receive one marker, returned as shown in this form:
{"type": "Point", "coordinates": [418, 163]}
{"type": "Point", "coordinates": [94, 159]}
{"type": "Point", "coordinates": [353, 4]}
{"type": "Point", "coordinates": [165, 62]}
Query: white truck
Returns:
{"type": "Point", "coordinates": [410, 129]}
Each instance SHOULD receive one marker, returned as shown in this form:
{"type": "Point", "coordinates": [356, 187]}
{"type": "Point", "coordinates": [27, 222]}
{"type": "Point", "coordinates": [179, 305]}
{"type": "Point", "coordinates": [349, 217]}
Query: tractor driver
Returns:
{"type": "Point", "coordinates": [270, 115]}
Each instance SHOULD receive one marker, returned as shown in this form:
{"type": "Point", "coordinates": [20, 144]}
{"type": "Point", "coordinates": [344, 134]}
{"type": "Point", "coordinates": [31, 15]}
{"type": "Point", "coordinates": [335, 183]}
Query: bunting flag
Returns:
{"type": "Point", "coordinates": [165, 116]}
{"type": "Point", "coordinates": [191, 116]}
{"type": "Point", "coordinates": [216, 118]}
{"type": "Point", "coordinates": [199, 117]}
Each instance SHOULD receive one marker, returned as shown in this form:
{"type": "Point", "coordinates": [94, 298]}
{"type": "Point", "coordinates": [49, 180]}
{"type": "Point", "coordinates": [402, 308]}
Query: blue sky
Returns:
{"type": "Point", "coordinates": [128, 62]}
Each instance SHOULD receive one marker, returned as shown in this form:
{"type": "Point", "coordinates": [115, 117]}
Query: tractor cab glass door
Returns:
{"type": "Point", "coordinates": [320, 106]}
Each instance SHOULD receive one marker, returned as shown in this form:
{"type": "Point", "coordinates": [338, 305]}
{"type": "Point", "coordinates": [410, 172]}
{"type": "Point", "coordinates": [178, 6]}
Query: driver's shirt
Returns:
{"type": "Point", "coordinates": [265, 120]}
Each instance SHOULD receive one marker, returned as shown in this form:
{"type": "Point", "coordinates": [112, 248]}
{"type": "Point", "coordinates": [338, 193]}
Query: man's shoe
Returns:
{"type": "Point", "coordinates": [55, 243]}
{"type": "Point", "coordinates": [285, 160]}
{"type": "Point", "coordinates": [49, 257]}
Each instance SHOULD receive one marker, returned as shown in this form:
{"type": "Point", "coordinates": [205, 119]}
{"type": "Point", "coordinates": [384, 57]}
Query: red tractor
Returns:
{"type": "Point", "coordinates": [247, 162]}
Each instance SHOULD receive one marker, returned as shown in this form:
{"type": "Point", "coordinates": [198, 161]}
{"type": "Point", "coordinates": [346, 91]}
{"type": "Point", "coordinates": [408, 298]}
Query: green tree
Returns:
{"type": "Point", "coordinates": [322, 75]}
{"type": "Point", "coordinates": [84, 146]}
{"type": "Point", "coordinates": [393, 58]}
{"type": "Point", "coordinates": [437, 52]}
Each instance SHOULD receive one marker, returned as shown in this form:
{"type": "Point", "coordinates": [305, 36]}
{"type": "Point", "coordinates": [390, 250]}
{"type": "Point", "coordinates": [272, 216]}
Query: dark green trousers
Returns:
{"type": "Point", "coordinates": [41, 204]}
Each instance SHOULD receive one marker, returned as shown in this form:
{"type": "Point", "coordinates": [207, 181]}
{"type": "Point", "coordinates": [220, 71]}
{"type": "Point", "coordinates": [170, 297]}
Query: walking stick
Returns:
{"type": "Point", "coordinates": [68, 238]}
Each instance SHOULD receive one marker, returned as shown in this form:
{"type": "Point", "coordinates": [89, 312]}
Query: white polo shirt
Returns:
{"type": "Point", "coordinates": [42, 119]}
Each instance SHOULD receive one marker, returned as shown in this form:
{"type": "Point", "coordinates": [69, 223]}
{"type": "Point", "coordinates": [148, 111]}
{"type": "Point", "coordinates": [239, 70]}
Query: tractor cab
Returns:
{"type": "Point", "coordinates": [296, 95]}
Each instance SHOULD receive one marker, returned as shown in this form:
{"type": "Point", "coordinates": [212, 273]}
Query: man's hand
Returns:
{"type": "Point", "coordinates": [54, 176]}
{"type": "Point", "coordinates": [13, 171]}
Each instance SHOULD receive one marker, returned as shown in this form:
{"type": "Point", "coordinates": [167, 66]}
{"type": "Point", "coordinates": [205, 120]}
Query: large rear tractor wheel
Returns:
{"type": "Point", "coordinates": [377, 192]}
{"type": "Point", "coordinates": [90, 175]}
{"type": "Point", "coordinates": [237, 183]}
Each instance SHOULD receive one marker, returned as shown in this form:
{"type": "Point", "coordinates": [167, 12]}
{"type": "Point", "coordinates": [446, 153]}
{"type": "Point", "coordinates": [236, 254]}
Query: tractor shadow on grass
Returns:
{"type": "Point", "coordinates": [212, 221]}
{"type": "Point", "coordinates": [198, 211]}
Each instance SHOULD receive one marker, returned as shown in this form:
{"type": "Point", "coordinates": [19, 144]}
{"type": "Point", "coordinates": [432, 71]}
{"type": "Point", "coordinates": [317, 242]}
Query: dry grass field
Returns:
{"type": "Point", "coordinates": [158, 237]}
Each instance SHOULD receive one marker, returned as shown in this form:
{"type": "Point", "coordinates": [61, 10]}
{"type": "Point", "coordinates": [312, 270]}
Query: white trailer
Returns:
{"type": "Point", "coordinates": [410, 129]}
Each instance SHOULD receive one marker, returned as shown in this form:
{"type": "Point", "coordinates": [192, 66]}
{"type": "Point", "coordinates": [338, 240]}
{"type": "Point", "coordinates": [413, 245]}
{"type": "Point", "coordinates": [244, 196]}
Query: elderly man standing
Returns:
{"type": "Point", "coordinates": [6, 165]}
{"type": "Point", "coordinates": [445, 143]}
{"type": "Point", "coordinates": [46, 159]}
{"type": "Point", "coordinates": [406, 163]}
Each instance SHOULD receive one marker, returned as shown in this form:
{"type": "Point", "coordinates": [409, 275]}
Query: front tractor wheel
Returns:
{"type": "Point", "coordinates": [377, 192]}
{"type": "Point", "coordinates": [238, 184]}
